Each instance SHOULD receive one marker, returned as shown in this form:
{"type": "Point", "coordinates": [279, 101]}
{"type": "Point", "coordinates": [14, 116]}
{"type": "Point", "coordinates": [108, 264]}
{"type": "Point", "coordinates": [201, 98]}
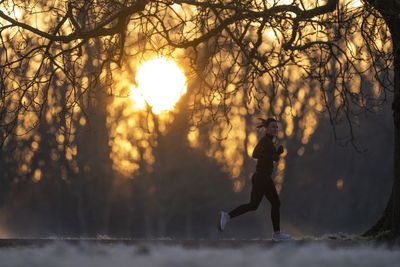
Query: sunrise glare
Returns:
{"type": "Point", "coordinates": [160, 84]}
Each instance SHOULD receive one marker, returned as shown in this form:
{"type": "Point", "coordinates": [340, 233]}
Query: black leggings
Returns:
{"type": "Point", "coordinates": [261, 186]}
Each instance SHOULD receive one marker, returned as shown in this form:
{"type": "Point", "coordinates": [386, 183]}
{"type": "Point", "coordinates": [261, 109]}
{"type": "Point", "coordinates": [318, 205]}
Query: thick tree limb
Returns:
{"type": "Point", "coordinates": [98, 31]}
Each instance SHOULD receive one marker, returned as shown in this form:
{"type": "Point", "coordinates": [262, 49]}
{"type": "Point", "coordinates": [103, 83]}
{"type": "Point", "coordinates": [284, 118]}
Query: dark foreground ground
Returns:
{"type": "Point", "coordinates": [333, 241]}
{"type": "Point", "coordinates": [107, 252]}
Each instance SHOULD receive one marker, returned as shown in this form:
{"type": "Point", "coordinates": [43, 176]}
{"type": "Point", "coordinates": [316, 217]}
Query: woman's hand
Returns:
{"type": "Point", "coordinates": [279, 150]}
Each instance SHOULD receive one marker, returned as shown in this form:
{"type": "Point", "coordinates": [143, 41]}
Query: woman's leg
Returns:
{"type": "Point", "coordinates": [273, 198]}
{"type": "Point", "coordinates": [255, 199]}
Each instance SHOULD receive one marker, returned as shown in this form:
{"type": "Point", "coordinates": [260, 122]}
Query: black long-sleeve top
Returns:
{"type": "Point", "coordinates": [265, 153]}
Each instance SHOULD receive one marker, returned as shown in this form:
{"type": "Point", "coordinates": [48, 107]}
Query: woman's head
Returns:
{"type": "Point", "coordinates": [270, 125]}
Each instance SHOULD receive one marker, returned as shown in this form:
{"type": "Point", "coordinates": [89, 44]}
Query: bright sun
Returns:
{"type": "Point", "coordinates": [160, 83]}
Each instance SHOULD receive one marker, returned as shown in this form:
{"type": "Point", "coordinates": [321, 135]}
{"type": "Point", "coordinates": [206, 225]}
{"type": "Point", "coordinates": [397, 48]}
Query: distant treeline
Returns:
{"type": "Point", "coordinates": [54, 183]}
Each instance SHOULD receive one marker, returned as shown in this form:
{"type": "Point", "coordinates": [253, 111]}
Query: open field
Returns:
{"type": "Point", "coordinates": [169, 252]}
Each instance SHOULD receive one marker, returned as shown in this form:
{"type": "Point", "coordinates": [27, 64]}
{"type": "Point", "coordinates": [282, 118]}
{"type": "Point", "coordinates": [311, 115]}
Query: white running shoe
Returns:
{"type": "Point", "coordinates": [281, 236]}
{"type": "Point", "coordinates": [223, 220]}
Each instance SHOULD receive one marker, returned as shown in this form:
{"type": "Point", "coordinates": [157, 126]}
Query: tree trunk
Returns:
{"type": "Point", "coordinates": [394, 28]}
{"type": "Point", "coordinates": [390, 220]}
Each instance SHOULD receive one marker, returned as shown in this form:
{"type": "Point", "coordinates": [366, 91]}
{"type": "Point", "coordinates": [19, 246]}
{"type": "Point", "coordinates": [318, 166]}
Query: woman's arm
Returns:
{"type": "Point", "coordinates": [265, 150]}
{"type": "Point", "coordinates": [277, 153]}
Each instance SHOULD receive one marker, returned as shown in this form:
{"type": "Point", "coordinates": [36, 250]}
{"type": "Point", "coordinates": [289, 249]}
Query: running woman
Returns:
{"type": "Point", "coordinates": [262, 184]}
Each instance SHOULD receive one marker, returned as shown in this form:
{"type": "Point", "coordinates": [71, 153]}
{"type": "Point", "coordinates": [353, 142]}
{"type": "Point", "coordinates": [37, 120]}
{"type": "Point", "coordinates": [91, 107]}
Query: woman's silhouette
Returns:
{"type": "Point", "coordinates": [262, 185]}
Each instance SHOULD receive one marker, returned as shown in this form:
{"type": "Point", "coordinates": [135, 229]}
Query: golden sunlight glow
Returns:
{"type": "Point", "coordinates": [160, 84]}
{"type": "Point", "coordinates": [354, 3]}
{"type": "Point", "coordinates": [17, 12]}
